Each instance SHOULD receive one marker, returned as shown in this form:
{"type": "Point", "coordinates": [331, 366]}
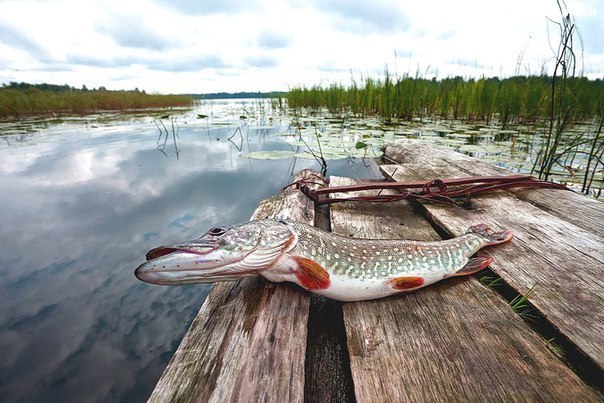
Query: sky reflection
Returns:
{"type": "Point", "coordinates": [81, 205]}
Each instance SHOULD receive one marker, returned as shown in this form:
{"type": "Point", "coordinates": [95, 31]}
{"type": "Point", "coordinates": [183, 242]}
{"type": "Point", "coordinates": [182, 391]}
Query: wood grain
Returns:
{"type": "Point", "coordinates": [453, 341]}
{"type": "Point", "coordinates": [248, 341]}
{"type": "Point", "coordinates": [584, 212]}
{"type": "Point", "coordinates": [554, 248]}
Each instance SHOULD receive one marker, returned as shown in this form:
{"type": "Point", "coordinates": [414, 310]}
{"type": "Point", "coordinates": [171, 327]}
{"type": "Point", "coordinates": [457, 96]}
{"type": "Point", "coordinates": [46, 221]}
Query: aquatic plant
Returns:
{"type": "Point", "coordinates": [513, 100]}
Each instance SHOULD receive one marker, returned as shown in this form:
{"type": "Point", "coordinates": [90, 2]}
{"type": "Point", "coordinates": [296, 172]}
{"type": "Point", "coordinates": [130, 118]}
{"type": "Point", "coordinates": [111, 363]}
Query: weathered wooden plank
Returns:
{"type": "Point", "coordinates": [453, 341]}
{"type": "Point", "coordinates": [586, 212]}
{"type": "Point", "coordinates": [248, 341]}
{"type": "Point", "coordinates": [562, 256]}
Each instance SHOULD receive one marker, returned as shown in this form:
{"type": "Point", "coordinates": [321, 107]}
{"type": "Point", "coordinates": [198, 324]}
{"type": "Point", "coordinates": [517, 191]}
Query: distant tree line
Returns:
{"type": "Point", "coordinates": [234, 95]}
{"type": "Point", "coordinates": [54, 87]}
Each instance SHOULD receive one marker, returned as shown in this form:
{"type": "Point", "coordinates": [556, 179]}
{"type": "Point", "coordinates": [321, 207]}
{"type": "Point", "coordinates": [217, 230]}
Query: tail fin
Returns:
{"type": "Point", "coordinates": [493, 238]}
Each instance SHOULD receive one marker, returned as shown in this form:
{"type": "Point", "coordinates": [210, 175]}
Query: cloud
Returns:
{"type": "Point", "coordinates": [180, 64]}
{"type": "Point", "coordinates": [133, 31]}
{"type": "Point", "coordinates": [263, 61]}
{"type": "Point", "coordinates": [207, 7]}
{"type": "Point", "coordinates": [12, 36]}
{"type": "Point", "coordinates": [269, 39]}
{"type": "Point", "coordinates": [362, 16]}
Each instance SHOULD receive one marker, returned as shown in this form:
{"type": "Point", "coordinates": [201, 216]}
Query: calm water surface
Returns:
{"type": "Point", "coordinates": [83, 200]}
{"type": "Point", "coordinates": [81, 203]}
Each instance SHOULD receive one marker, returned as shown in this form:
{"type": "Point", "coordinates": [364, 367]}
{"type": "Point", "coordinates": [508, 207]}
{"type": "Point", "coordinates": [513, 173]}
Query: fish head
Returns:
{"type": "Point", "coordinates": [221, 254]}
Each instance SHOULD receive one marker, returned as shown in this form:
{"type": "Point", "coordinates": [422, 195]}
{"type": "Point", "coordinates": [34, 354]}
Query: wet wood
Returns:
{"type": "Point", "coordinates": [453, 341]}
{"type": "Point", "coordinates": [248, 341]}
{"type": "Point", "coordinates": [558, 244]}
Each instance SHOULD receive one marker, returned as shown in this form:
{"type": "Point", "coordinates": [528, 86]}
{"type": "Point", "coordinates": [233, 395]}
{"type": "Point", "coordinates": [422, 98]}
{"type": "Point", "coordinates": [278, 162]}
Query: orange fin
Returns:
{"type": "Point", "coordinates": [474, 265]}
{"type": "Point", "coordinates": [311, 274]}
{"type": "Point", "coordinates": [406, 283]}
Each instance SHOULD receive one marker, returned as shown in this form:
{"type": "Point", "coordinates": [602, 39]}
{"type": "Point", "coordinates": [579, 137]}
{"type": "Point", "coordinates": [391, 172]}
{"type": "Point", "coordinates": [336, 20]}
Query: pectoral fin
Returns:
{"type": "Point", "coordinates": [406, 283]}
{"type": "Point", "coordinates": [311, 274]}
{"type": "Point", "coordinates": [474, 265]}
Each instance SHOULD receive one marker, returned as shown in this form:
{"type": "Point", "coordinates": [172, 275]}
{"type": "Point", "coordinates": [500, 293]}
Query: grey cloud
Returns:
{"type": "Point", "coordinates": [273, 40]}
{"type": "Point", "coordinates": [154, 62]}
{"type": "Point", "coordinates": [93, 61]}
{"type": "Point", "coordinates": [133, 31]}
{"type": "Point", "coordinates": [13, 37]}
{"type": "Point", "coordinates": [261, 61]}
{"type": "Point", "coordinates": [207, 7]}
{"type": "Point", "coordinates": [187, 64]}
{"type": "Point", "coordinates": [362, 16]}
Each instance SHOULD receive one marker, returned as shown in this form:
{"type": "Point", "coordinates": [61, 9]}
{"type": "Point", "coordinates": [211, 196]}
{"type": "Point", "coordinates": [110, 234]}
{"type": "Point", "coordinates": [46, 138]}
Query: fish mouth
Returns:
{"type": "Point", "coordinates": [190, 263]}
{"type": "Point", "coordinates": [166, 250]}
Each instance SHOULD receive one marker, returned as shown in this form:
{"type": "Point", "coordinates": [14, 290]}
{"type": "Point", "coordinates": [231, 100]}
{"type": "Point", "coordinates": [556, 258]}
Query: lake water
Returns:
{"type": "Point", "coordinates": [82, 200]}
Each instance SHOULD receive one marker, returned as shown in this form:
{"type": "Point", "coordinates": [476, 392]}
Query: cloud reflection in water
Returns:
{"type": "Point", "coordinates": [80, 208]}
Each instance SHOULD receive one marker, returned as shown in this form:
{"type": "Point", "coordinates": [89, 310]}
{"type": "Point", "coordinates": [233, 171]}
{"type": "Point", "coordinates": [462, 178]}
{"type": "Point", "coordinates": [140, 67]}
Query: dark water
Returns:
{"type": "Point", "coordinates": [80, 204]}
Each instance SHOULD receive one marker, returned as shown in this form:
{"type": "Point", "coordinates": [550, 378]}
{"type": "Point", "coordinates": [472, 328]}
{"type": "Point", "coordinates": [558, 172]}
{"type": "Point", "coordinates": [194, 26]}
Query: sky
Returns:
{"type": "Point", "coordinates": [188, 46]}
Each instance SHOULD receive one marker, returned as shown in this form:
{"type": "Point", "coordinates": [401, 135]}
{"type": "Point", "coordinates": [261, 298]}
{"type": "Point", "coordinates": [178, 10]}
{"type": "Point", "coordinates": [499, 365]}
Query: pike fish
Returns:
{"type": "Point", "coordinates": [341, 268]}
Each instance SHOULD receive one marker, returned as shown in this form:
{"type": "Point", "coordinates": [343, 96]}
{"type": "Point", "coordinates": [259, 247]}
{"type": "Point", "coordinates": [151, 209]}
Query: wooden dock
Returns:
{"type": "Point", "coordinates": [458, 340]}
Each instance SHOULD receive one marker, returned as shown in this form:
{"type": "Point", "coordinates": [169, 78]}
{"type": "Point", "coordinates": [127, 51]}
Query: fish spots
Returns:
{"type": "Point", "coordinates": [337, 256]}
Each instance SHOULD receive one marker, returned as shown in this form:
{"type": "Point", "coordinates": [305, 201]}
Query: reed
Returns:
{"type": "Point", "coordinates": [507, 101]}
{"type": "Point", "coordinates": [18, 100]}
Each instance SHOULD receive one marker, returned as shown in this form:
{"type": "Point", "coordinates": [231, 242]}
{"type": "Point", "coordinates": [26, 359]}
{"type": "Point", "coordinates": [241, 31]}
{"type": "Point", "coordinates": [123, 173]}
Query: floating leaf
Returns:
{"type": "Point", "coordinates": [359, 145]}
{"type": "Point", "coordinates": [201, 116]}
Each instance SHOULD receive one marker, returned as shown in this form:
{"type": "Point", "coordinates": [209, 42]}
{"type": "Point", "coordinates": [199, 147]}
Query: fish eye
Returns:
{"type": "Point", "coordinates": [216, 231]}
